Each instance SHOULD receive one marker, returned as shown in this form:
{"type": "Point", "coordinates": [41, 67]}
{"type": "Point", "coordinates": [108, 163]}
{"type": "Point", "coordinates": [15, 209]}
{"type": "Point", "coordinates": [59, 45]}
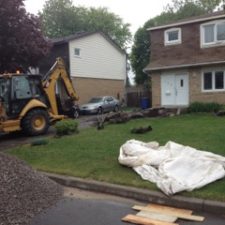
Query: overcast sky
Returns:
{"type": "Point", "coordinates": [135, 12]}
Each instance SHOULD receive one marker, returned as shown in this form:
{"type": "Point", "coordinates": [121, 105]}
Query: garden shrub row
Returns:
{"type": "Point", "coordinates": [204, 107]}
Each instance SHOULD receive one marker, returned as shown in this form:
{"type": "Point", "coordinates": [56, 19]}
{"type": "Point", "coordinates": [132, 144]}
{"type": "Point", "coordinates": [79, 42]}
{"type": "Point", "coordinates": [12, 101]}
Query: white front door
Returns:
{"type": "Point", "coordinates": [174, 90]}
{"type": "Point", "coordinates": [182, 90]}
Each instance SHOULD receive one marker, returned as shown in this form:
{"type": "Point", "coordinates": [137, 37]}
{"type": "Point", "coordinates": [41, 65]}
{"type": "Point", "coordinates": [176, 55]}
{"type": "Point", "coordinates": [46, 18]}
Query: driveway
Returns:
{"type": "Point", "coordinates": [14, 139]}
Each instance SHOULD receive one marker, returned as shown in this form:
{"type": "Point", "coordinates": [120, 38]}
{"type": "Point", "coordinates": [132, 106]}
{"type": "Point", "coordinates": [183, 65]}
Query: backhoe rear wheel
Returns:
{"type": "Point", "coordinates": [36, 122]}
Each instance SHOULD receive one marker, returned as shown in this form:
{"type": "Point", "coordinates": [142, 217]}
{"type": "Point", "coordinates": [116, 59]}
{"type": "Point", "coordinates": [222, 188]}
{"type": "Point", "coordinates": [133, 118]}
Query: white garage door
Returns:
{"type": "Point", "coordinates": [174, 90]}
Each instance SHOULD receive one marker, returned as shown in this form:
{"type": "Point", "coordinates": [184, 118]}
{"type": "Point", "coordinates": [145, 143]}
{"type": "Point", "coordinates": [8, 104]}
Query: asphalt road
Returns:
{"type": "Point", "coordinates": [86, 208]}
{"type": "Point", "coordinates": [14, 139]}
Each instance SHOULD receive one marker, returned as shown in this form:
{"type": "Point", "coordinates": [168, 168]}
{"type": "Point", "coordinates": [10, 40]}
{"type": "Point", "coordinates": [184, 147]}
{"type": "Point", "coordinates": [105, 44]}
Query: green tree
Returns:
{"type": "Point", "coordinates": [100, 19]}
{"type": "Point", "coordinates": [179, 9]}
{"type": "Point", "coordinates": [140, 52]}
{"type": "Point", "coordinates": [203, 5]}
{"type": "Point", "coordinates": [61, 18]}
{"type": "Point", "coordinates": [210, 5]}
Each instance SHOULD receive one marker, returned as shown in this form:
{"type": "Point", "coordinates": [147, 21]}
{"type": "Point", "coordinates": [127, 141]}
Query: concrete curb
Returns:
{"type": "Point", "coordinates": [140, 194]}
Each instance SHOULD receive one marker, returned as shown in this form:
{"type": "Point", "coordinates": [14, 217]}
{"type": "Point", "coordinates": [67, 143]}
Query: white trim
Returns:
{"type": "Point", "coordinates": [215, 41]}
{"type": "Point", "coordinates": [186, 22]}
{"type": "Point", "coordinates": [174, 42]}
{"type": "Point", "coordinates": [183, 66]}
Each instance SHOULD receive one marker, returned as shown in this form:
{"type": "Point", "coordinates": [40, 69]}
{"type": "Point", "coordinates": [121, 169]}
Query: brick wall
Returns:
{"type": "Point", "coordinates": [188, 52]}
{"type": "Point", "coordinates": [89, 87]}
{"type": "Point", "coordinates": [195, 91]}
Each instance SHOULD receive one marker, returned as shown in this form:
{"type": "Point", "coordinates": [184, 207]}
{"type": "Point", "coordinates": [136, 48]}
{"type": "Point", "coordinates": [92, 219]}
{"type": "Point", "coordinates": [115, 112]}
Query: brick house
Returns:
{"type": "Point", "coordinates": [187, 61]}
{"type": "Point", "coordinates": [96, 64]}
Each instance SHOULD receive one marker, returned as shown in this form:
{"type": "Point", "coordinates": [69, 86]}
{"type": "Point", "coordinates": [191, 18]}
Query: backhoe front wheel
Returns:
{"type": "Point", "coordinates": [36, 122]}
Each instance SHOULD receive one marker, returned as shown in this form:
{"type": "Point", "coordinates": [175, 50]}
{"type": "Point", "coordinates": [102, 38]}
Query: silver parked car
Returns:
{"type": "Point", "coordinates": [100, 105]}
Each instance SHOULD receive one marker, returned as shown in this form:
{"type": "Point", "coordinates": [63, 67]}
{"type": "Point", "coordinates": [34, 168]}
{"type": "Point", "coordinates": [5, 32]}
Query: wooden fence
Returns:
{"type": "Point", "coordinates": [138, 98]}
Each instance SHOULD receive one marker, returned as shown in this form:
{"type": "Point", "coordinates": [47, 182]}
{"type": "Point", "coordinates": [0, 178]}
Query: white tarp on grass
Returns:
{"type": "Point", "coordinates": [172, 167]}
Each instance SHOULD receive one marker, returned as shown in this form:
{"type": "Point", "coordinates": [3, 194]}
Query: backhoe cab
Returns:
{"type": "Point", "coordinates": [32, 102]}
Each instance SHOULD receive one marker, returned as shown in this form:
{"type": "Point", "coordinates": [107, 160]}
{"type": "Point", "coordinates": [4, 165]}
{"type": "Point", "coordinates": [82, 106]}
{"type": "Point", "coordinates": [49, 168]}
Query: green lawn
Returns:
{"type": "Point", "coordinates": [93, 154]}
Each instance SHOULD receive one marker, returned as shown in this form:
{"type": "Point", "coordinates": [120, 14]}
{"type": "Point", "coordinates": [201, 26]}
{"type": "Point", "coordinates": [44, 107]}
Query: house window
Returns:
{"type": "Point", "coordinates": [209, 33]}
{"type": "Point", "coordinates": [214, 81]}
{"type": "Point", "coordinates": [213, 34]}
{"type": "Point", "coordinates": [172, 36]}
{"type": "Point", "coordinates": [208, 81]}
{"type": "Point", "coordinates": [219, 80]}
{"type": "Point", "coordinates": [77, 51]}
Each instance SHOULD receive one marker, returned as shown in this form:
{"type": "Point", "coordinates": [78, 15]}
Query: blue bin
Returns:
{"type": "Point", "coordinates": [145, 103]}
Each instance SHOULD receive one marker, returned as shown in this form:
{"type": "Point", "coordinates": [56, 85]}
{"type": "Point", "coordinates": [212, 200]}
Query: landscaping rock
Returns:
{"type": "Point", "coordinates": [118, 117]}
{"type": "Point", "coordinates": [114, 116]}
{"type": "Point", "coordinates": [220, 113]}
{"type": "Point", "coordinates": [24, 192]}
{"type": "Point", "coordinates": [155, 112]}
{"type": "Point", "coordinates": [136, 115]}
{"type": "Point", "coordinates": [141, 130]}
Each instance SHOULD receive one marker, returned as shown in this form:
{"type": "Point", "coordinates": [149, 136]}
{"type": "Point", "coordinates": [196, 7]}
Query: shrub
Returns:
{"type": "Point", "coordinates": [204, 107]}
{"type": "Point", "coordinates": [65, 127]}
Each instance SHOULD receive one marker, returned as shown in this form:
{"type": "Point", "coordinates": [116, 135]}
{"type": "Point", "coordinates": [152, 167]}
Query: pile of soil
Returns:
{"type": "Point", "coordinates": [24, 192]}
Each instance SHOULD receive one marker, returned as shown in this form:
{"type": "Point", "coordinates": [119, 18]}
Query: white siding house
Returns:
{"type": "Point", "coordinates": [97, 65]}
{"type": "Point", "coordinates": [94, 56]}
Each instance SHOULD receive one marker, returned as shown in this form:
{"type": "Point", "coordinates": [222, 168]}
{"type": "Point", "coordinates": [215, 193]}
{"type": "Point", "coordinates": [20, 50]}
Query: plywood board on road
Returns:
{"type": "Point", "coordinates": [163, 208]}
{"type": "Point", "coordinates": [144, 221]}
{"type": "Point", "coordinates": [157, 216]}
{"type": "Point", "coordinates": [173, 213]}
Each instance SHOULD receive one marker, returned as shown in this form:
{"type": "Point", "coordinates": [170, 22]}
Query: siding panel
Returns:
{"type": "Point", "coordinates": [98, 59]}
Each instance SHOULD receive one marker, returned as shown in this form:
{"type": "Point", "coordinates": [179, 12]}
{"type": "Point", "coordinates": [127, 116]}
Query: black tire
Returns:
{"type": "Point", "coordinates": [36, 122]}
{"type": "Point", "coordinates": [116, 108]}
{"type": "Point", "coordinates": [75, 114]}
{"type": "Point", "coordinates": [100, 110]}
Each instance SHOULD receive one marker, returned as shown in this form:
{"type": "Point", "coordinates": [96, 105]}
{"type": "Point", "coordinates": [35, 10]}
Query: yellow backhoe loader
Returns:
{"type": "Point", "coordinates": [33, 102]}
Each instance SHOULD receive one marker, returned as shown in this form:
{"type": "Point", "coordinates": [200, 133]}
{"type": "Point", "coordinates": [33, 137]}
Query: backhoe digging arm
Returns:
{"type": "Point", "coordinates": [49, 81]}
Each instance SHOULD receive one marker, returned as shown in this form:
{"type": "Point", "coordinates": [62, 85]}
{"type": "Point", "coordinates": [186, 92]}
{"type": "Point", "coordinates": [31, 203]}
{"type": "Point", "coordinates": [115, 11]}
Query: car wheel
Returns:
{"type": "Point", "coordinates": [116, 108]}
{"type": "Point", "coordinates": [100, 110]}
{"type": "Point", "coordinates": [75, 114]}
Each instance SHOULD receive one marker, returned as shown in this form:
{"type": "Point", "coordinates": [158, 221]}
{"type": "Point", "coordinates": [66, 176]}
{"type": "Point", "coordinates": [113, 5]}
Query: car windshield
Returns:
{"type": "Point", "coordinates": [95, 100]}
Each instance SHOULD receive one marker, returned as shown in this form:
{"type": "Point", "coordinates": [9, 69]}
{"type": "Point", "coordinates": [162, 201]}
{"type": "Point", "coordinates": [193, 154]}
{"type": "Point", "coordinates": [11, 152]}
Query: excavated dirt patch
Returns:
{"type": "Point", "coordinates": [24, 192]}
